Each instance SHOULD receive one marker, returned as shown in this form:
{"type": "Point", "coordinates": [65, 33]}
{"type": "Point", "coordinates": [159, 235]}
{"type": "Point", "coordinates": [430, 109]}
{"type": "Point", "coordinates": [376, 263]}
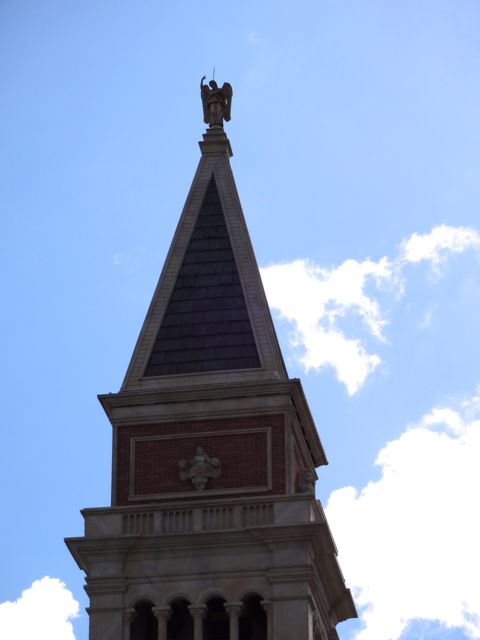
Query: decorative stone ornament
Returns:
{"type": "Point", "coordinates": [200, 468]}
{"type": "Point", "coordinates": [306, 481]}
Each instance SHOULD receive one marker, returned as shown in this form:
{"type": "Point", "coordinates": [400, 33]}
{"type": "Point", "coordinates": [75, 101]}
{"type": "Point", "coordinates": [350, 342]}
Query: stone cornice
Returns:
{"type": "Point", "coordinates": [125, 406]}
{"type": "Point", "coordinates": [314, 537]}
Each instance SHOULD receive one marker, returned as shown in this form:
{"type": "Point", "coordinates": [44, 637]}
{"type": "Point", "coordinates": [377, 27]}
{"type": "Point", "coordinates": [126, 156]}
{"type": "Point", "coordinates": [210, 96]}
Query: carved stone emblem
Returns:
{"type": "Point", "coordinates": [306, 481]}
{"type": "Point", "coordinates": [200, 468]}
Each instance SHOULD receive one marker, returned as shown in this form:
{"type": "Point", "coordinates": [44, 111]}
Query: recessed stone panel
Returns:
{"type": "Point", "coordinates": [155, 461]}
{"type": "Point", "coordinates": [251, 451]}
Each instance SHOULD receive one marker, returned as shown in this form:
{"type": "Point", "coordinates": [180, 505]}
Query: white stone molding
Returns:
{"type": "Point", "coordinates": [234, 609]}
{"type": "Point", "coordinates": [137, 596]}
{"type": "Point", "coordinates": [198, 612]}
{"type": "Point", "coordinates": [179, 595]}
{"type": "Point", "coordinates": [249, 592]}
{"type": "Point", "coordinates": [210, 594]}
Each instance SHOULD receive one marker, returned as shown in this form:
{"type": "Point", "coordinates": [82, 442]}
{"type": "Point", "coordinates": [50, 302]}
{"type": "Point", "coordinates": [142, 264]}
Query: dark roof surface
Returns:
{"type": "Point", "coordinates": [206, 325]}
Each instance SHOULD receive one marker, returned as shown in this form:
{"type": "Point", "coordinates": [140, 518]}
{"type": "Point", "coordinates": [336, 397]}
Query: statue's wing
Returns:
{"type": "Point", "coordinates": [228, 93]}
{"type": "Point", "coordinates": [204, 93]}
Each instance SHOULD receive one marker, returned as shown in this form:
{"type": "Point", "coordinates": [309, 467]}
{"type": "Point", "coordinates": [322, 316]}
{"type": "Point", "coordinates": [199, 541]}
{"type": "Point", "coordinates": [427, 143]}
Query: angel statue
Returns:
{"type": "Point", "coordinates": [216, 103]}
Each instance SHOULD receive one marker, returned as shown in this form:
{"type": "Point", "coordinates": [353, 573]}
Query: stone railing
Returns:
{"type": "Point", "coordinates": [212, 516]}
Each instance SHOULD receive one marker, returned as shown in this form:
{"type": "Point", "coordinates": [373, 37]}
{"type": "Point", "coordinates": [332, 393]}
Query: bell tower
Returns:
{"type": "Point", "coordinates": [214, 532]}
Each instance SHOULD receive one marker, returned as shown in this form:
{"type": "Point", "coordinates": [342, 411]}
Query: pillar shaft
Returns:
{"type": "Point", "coordinates": [268, 608]}
{"type": "Point", "coordinates": [198, 613]}
{"type": "Point", "coordinates": [162, 615]}
{"type": "Point", "coordinates": [129, 616]}
{"type": "Point", "coordinates": [234, 610]}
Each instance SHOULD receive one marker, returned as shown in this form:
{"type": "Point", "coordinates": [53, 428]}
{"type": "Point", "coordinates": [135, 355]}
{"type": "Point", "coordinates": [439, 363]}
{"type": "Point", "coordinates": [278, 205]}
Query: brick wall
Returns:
{"type": "Point", "coordinates": [297, 464]}
{"type": "Point", "coordinates": [152, 452]}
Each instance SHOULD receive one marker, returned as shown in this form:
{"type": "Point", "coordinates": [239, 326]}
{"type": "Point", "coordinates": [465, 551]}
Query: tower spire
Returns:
{"type": "Point", "coordinates": [214, 530]}
{"type": "Point", "coordinates": [209, 313]}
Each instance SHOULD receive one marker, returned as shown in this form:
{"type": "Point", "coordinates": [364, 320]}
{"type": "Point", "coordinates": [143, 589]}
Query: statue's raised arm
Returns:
{"type": "Point", "coordinates": [217, 103]}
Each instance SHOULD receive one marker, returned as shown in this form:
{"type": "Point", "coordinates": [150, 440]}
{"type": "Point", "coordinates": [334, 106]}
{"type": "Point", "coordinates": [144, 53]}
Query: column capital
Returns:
{"type": "Point", "coordinates": [233, 608]}
{"type": "Point", "coordinates": [197, 610]}
{"type": "Point", "coordinates": [129, 614]}
{"type": "Point", "coordinates": [162, 613]}
{"type": "Point", "coordinates": [266, 605]}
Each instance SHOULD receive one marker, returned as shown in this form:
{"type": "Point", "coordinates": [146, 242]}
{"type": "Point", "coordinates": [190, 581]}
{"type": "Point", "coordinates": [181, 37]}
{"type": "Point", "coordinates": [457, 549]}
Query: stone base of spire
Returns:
{"type": "Point", "coordinates": [215, 141]}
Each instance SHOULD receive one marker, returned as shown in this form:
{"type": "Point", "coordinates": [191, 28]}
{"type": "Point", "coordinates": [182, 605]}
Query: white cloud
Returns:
{"type": "Point", "coordinates": [436, 245]}
{"type": "Point", "coordinates": [315, 300]}
{"type": "Point", "coordinates": [44, 611]}
{"type": "Point", "coordinates": [426, 321]}
{"type": "Point", "coordinates": [408, 542]}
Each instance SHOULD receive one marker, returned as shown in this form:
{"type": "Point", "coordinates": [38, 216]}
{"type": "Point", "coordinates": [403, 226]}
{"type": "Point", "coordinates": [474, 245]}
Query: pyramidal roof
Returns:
{"type": "Point", "coordinates": [209, 320]}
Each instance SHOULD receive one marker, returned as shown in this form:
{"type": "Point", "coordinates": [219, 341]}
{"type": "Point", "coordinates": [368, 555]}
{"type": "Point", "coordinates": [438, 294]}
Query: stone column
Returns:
{"type": "Point", "coordinates": [162, 615]}
{"type": "Point", "coordinates": [234, 609]}
{"type": "Point", "coordinates": [129, 616]}
{"type": "Point", "coordinates": [198, 613]}
{"type": "Point", "coordinates": [267, 606]}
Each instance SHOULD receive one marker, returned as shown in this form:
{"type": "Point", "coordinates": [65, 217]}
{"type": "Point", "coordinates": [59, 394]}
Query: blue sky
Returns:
{"type": "Point", "coordinates": [356, 140]}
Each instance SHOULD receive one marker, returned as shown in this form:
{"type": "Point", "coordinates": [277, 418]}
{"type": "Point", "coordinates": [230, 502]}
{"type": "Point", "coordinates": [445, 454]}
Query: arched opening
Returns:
{"type": "Point", "coordinates": [144, 626]}
{"type": "Point", "coordinates": [253, 621]}
{"type": "Point", "coordinates": [180, 624]}
{"type": "Point", "coordinates": [217, 625]}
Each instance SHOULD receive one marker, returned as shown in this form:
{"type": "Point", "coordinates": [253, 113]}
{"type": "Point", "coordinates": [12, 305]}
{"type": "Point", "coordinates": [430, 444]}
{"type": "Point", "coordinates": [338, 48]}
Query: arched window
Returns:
{"type": "Point", "coordinates": [217, 625]}
{"type": "Point", "coordinates": [180, 625]}
{"type": "Point", "coordinates": [144, 626]}
{"type": "Point", "coordinates": [253, 621]}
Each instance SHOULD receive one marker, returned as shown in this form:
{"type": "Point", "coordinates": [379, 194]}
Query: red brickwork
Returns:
{"type": "Point", "coordinates": [240, 443]}
{"type": "Point", "coordinates": [297, 464]}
